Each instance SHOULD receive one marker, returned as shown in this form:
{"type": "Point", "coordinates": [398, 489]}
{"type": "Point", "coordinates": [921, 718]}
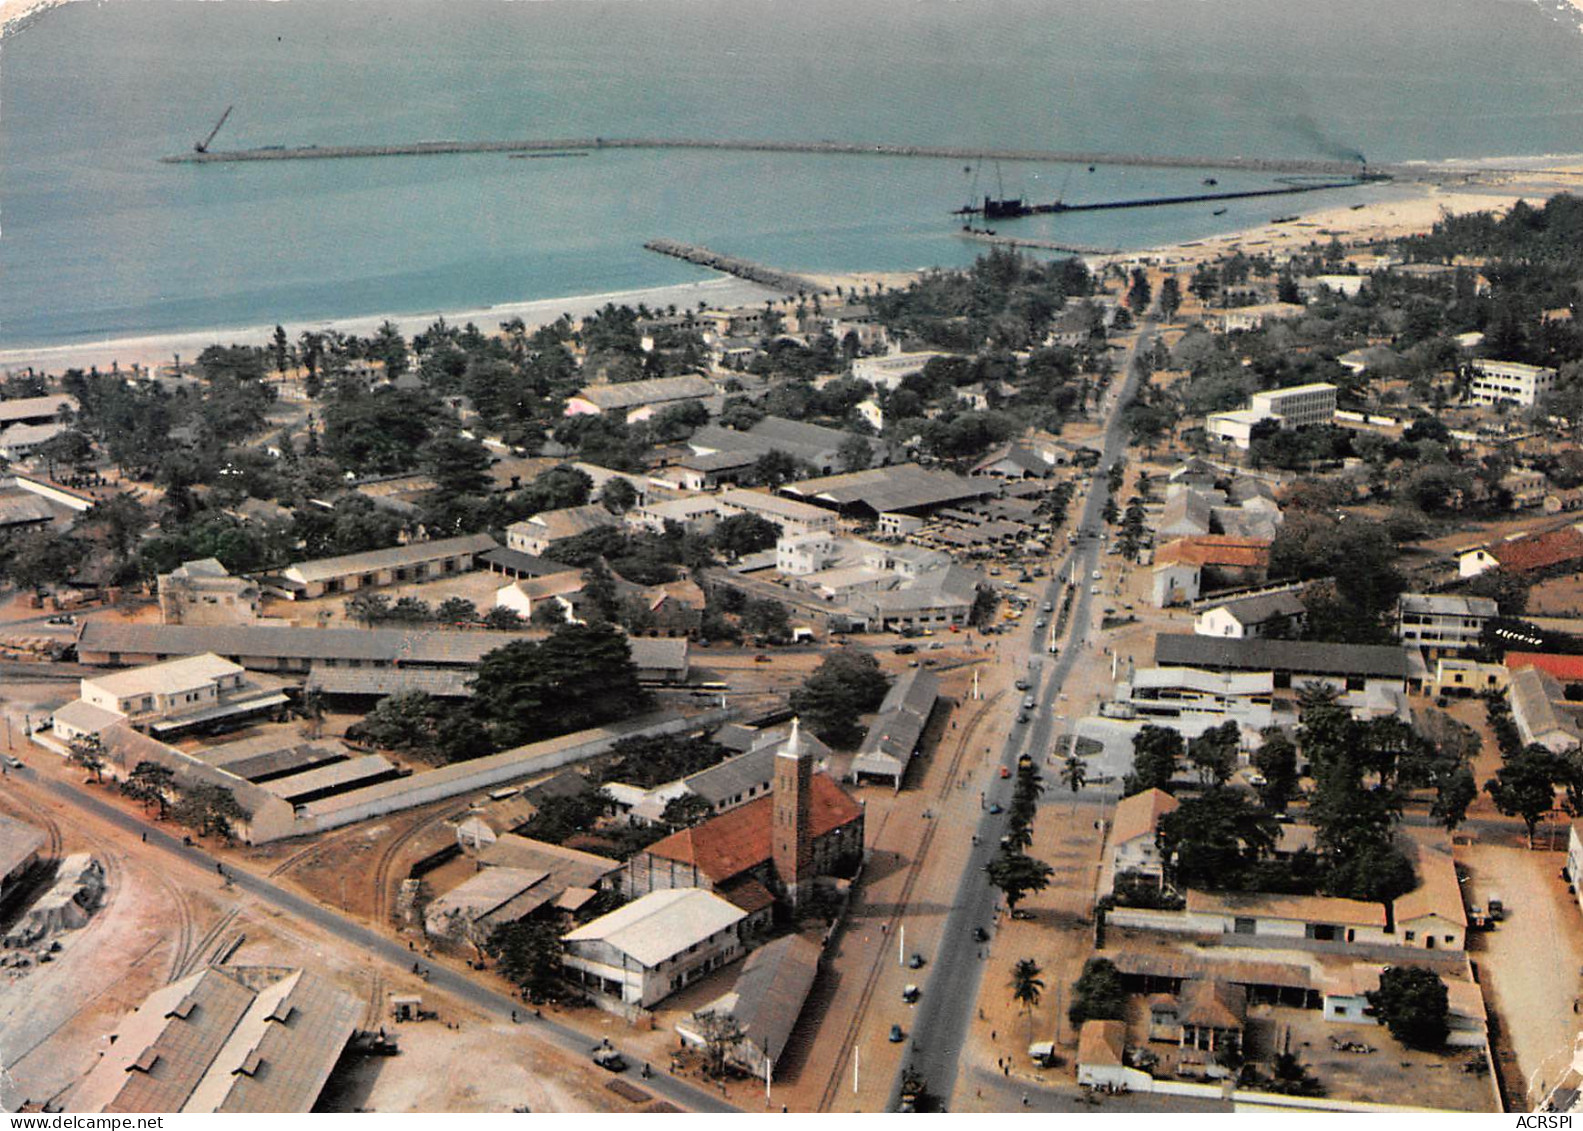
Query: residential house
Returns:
{"type": "Point", "coordinates": [1527, 487]}
{"type": "Point", "coordinates": [204, 592]}
{"type": "Point", "coordinates": [1187, 567]}
{"type": "Point", "coordinates": [1268, 614]}
{"type": "Point", "coordinates": [1133, 847]}
{"type": "Point", "coordinates": [537, 533]}
{"type": "Point", "coordinates": [1541, 552]}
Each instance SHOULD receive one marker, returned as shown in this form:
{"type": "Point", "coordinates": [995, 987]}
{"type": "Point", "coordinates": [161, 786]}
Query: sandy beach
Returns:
{"type": "Point", "coordinates": [157, 349]}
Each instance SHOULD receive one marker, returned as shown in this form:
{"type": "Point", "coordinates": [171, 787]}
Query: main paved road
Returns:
{"type": "Point", "coordinates": [375, 946]}
{"type": "Point", "coordinates": [946, 1008]}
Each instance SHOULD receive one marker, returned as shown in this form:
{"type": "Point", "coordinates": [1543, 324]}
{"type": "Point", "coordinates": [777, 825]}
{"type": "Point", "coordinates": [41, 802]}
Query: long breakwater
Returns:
{"type": "Point", "coordinates": [957, 153]}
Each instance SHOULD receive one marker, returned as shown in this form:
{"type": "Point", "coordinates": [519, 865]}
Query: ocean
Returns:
{"type": "Point", "coordinates": [98, 239]}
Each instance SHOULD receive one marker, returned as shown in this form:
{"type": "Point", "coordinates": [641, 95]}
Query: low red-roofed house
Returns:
{"type": "Point", "coordinates": [1549, 550]}
{"type": "Point", "coordinates": [1567, 669]}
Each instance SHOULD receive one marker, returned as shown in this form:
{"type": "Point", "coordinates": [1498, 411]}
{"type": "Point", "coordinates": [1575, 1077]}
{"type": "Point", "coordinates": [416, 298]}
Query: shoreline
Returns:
{"type": "Point", "coordinates": [160, 348]}
{"type": "Point", "coordinates": [1401, 215]}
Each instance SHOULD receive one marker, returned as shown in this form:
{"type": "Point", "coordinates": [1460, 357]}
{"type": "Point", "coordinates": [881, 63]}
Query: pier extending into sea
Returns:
{"type": "Point", "coordinates": [958, 153]}
{"type": "Point", "coordinates": [770, 277]}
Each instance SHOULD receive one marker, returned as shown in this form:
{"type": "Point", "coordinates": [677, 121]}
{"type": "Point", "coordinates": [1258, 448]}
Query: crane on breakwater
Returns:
{"type": "Point", "coordinates": [203, 146]}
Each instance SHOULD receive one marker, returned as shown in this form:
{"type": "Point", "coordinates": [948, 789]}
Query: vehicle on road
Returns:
{"type": "Point", "coordinates": [1048, 607]}
{"type": "Point", "coordinates": [1055, 649]}
{"type": "Point", "coordinates": [1022, 716]}
{"type": "Point", "coordinates": [1040, 623]}
{"type": "Point", "coordinates": [761, 659]}
{"type": "Point", "coordinates": [14, 762]}
{"type": "Point", "coordinates": [1027, 703]}
{"type": "Point", "coordinates": [1004, 772]}
{"type": "Point", "coordinates": [1497, 907]}
{"type": "Point", "coordinates": [980, 934]}
{"type": "Point", "coordinates": [1021, 685]}
{"type": "Point", "coordinates": [608, 1059]}
{"type": "Point", "coordinates": [1093, 590]}
{"type": "Point", "coordinates": [905, 649]}
{"type": "Point", "coordinates": [896, 1035]}
{"type": "Point", "coordinates": [995, 809]}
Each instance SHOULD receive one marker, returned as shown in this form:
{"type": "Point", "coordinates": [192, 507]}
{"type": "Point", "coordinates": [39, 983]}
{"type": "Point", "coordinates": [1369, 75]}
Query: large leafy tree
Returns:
{"type": "Point", "coordinates": [1413, 1004]}
{"type": "Point", "coordinates": [1098, 994]}
{"type": "Point", "coordinates": [1209, 841]}
{"type": "Point", "coordinates": [1525, 785]}
{"type": "Point", "coordinates": [844, 686]}
{"type": "Point", "coordinates": [581, 676]}
{"type": "Point", "coordinates": [529, 956]}
{"type": "Point", "coordinates": [1156, 752]}
{"type": "Point", "coordinates": [1018, 875]}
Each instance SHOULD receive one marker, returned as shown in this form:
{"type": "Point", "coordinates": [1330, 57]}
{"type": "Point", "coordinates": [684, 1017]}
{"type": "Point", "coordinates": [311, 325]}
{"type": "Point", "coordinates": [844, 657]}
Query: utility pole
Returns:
{"type": "Point", "coordinates": [901, 946]}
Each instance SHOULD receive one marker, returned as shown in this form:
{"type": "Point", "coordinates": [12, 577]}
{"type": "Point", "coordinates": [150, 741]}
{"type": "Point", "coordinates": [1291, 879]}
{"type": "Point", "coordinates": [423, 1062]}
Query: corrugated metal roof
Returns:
{"type": "Point", "coordinates": [661, 924]}
{"type": "Point", "coordinates": [389, 645]}
{"type": "Point", "coordinates": [772, 988]}
{"type": "Point", "coordinates": [1173, 649]}
{"type": "Point", "coordinates": [446, 683]}
{"type": "Point", "coordinates": [322, 569]}
{"type": "Point", "coordinates": [905, 486]}
{"type": "Point", "coordinates": [632, 394]}
{"type": "Point", "coordinates": [338, 774]}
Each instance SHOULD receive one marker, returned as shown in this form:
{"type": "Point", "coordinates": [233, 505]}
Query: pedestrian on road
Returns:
{"type": "Point", "coordinates": [145, 838]}
{"type": "Point", "coordinates": [1025, 1099]}
{"type": "Point", "coordinates": [219, 868]}
{"type": "Point", "coordinates": [992, 1034]}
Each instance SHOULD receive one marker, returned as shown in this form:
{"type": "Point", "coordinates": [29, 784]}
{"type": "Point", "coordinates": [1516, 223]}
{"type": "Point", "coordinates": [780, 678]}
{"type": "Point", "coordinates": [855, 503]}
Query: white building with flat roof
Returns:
{"type": "Point", "coordinates": [1442, 624]}
{"type": "Point", "coordinates": [1511, 382]}
{"type": "Point", "coordinates": [166, 696]}
{"type": "Point", "coordinates": [1297, 407]}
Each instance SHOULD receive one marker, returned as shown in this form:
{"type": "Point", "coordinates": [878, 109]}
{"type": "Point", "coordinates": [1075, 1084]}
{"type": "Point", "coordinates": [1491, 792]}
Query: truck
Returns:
{"type": "Point", "coordinates": [1495, 908]}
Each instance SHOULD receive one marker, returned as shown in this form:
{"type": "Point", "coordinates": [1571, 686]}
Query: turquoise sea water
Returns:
{"type": "Point", "coordinates": [97, 239]}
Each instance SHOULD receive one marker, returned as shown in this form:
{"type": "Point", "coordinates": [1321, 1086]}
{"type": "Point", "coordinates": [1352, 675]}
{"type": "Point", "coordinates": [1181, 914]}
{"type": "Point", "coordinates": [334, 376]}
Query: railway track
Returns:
{"type": "Point", "coordinates": [200, 948]}
{"type": "Point", "coordinates": [849, 1037]}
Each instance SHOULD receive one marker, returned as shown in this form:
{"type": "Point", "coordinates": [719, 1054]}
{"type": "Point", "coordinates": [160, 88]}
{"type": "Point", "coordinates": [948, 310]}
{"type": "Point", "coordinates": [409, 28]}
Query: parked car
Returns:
{"type": "Point", "coordinates": [910, 993]}
{"type": "Point", "coordinates": [915, 962]}
{"type": "Point", "coordinates": [1097, 575]}
{"type": "Point", "coordinates": [905, 649]}
{"type": "Point", "coordinates": [761, 658]}
{"type": "Point", "coordinates": [1021, 685]}
{"type": "Point", "coordinates": [609, 1059]}
{"type": "Point", "coordinates": [896, 1035]}
{"type": "Point", "coordinates": [14, 762]}
{"type": "Point", "coordinates": [1497, 908]}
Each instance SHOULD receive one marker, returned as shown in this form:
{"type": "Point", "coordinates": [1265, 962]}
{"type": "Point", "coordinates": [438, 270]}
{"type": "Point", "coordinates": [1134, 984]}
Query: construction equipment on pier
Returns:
{"type": "Point", "coordinates": [993, 209]}
{"type": "Point", "coordinates": [203, 146]}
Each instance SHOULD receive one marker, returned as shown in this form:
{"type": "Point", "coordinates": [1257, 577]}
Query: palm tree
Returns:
{"type": "Point", "coordinates": [1027, 988]}
{"type": "Point", "coordinates": [1074, 773]}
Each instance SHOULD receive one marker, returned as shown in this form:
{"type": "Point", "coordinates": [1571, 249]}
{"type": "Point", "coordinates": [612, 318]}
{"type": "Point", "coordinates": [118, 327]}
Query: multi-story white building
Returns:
{"type": "Point", "coordinates": [1510, 381]}
{"type": "Point", "coordinates": [1298, 406]}
{"type": "Point", "coordinates": [1441, 624]}
{"type": "Point", "coordinates": [165, 697]}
